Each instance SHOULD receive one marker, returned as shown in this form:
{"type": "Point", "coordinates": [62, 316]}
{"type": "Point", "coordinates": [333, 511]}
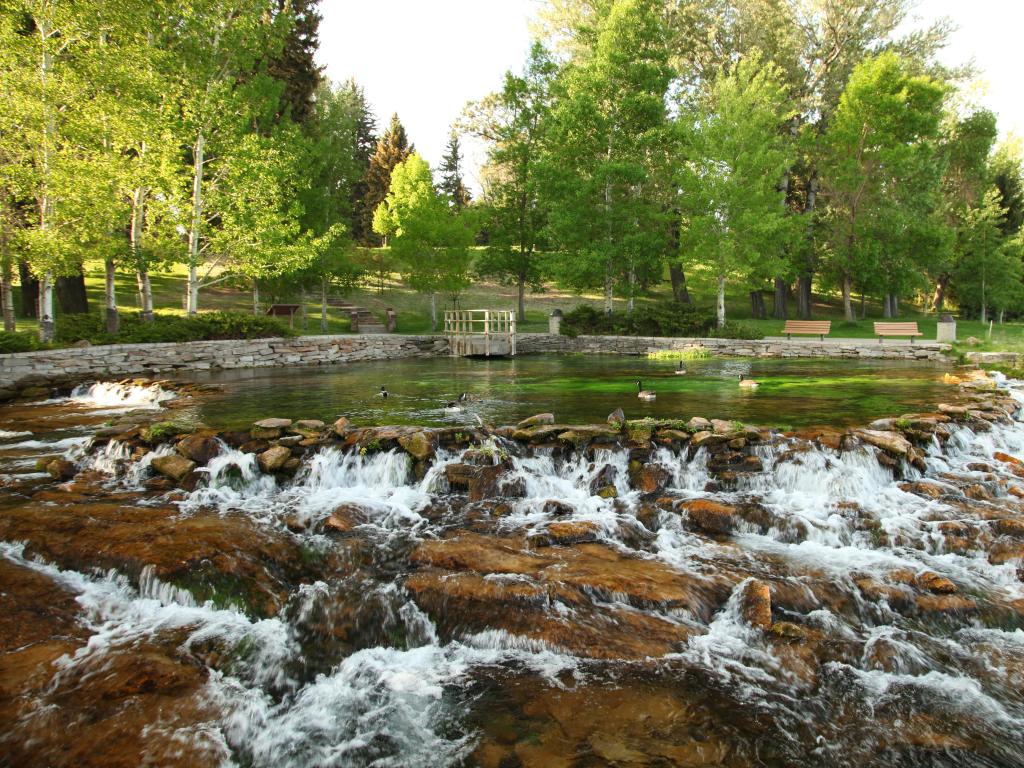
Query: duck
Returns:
{"type": "Point", "coordinates": [680, 371]}
{"type": "Point", "coordinates": [747, 383]}
{"type": "Point", "coordinates": [644, 394]}
{"type": "Point", "coordinates": [453, 406]}
{"type": "Point", "coordinates": [383, 392]}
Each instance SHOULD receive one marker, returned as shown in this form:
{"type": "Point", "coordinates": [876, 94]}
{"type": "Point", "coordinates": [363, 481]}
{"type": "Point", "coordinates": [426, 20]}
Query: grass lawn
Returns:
{"type": "Point", "coordinates": [413, 309]}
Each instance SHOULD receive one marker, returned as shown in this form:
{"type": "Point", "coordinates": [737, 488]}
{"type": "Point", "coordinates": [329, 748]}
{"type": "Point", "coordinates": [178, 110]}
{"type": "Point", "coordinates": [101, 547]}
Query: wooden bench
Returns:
{"type": "Point", "coordinates": [896, 329]}
{"type": "Point", "coordinates": [284, 310]}
{"type": "Point", "coordinates": [819, 328]}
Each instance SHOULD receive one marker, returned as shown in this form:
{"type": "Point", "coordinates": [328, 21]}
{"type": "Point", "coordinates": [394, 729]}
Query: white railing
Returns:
{"type": "Point", "coordinates": [484, 332]}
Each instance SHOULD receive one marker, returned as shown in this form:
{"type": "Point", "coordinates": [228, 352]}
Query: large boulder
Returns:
{"type": "Point", "coordinates": [273, 459]}
{"type": "Point", "coordinates": [891, 442]}
{"type": "Point", "coordinates": [307, 428]}
{"type": "Point", "coordinates": [537, 420]}
{"type": "Point", "coordinates": [174, 465]}
{"type": "Point", "coordinates": [61, 469]}
{"type": "Point", "coordinates": [418, 445]}
{"type": "Point", "coordinates": [341, 426]}
{"type": "Point", "coordinates": [709, 516]}
{"type": "Point", "coordinates": [269, 429]}
{"type": "Point", "coordinates": [199, 448]}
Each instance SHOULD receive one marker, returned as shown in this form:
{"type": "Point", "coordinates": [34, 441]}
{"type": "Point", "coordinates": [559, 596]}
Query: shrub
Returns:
{"type": "Point", "coordinates": [667, 318]}
{"type": "Point", "coordinates": [20, 341]}
{"type": "Point", "coordinates": [734, 330]}
{"type": "Point", "coordinates": [206, 326]}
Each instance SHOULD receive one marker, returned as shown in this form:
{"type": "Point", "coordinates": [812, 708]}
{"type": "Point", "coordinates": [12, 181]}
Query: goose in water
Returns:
{"type": "Point", "coordinates": [468, 398]}
{"type": "Point", "coordinates": [452, 406]}
{"type": "Point", "coordinates": [644, 394]}
{"type": "Point", "coordinates": [680, 371]}
{"type": "Point", "coordinates": [383, 392]}
{"type": "Point", "coordinates": [747, 383]}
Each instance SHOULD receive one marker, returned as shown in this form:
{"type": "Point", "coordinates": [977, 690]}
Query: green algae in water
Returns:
{"type": "Point", "coordinates": [577, 389]}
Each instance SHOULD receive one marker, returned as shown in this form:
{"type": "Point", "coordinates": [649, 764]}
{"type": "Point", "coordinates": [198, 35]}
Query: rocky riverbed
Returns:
{"type": "Point", "coordinates": [631, 592]}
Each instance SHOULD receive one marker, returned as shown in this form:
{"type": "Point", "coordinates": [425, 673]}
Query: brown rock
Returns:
{"type": "Point", "coordinates": [933, 582]}
{"type": "Point", "coordinates": [698, 424]}
{"type": "Point", "coordinates": [652, 478]}
{"type": "Point", "coordinates": [274, 458]}
{"type": "Point", "coordinates": [341, 426]}
{"type": "Point", "coordinates": [565, 534]}
{"type": "Point", "coordinates": [945, 603]}
{"type": "Point", "coordinates": [756, 604]}
{"type": "Point", "coordinates": [61, 469]}
{"type": "Point", "coordinates": [540, 419]}
{"type": "Point", "coordinates": [307, 428]}
{"type": "Point", "coordinates": [269, 429]}
{"type": "Point", "coordinates": [722, 427]}
{"type": "Point", "coordinates": [1009, 527]}
{"type": "Point", "coordinates": [344, 518]}
{"type": "Point", "coordinates": [417, 445]}
{"type": "Point", "coordinates": [617, 418]}
{"type": "Point", "coordinates": [199, 448]}
{"type": "Point", "coordinates": [888, 441]}
{"type": "Point", "coordinates": [710, 516]}
{"type": "Point", "coordinates": [174, 466]}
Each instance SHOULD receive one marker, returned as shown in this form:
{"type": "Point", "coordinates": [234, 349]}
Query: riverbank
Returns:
{"type": "Point", "coordinates": [34, 371]}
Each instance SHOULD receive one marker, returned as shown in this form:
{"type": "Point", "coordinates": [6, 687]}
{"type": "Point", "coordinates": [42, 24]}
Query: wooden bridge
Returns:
{"type": "Point", "coordinates": [481, 332]}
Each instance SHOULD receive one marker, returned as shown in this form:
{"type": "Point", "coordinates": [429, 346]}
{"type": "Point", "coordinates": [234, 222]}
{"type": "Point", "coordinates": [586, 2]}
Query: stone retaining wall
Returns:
{"type": "Point", "coordinates": [26, 369]}
{"type": "Point", "coordinates": [58, 366]}
{"type": "Point", "coordinates": [529, 343]}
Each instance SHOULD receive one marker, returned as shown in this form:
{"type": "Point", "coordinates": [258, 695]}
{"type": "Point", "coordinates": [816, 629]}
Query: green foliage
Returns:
{"type": "Point", "coordinates": [206, 326]}
{"type": "Point", "coordinates": [23, 341]}
{"type": "Point", "coordinates": [734, 330]}
{"type": "Point", "coordinates": [661, 319]}
{"type": "Point", "coordinates": [391, 149]}
{"type": "Point", "coordinates": [161, 431]}
{"type": "Point", "coordinates": [690, 353]}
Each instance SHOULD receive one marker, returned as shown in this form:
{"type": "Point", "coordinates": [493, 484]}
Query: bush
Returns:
{"type": "Point", "coordinates": [20, 341]}
{"type": "Point", "coordinates": [206, 326]}
{"type": "Point", "coordinates": [667, 318]}
{"type": "Point", "coordinates": [734, 330]}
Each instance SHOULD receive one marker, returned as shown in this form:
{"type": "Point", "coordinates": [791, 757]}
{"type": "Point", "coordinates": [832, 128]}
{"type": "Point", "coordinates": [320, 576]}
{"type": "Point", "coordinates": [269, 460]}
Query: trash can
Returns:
{"type": "Point", "coordinates": [945, 330]}
{"type": "Point", "coordinates": [555, 323]}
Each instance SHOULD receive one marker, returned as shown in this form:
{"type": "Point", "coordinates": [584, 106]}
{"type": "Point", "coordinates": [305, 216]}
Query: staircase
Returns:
{"type": "Point", "coordinates": [363, 320]}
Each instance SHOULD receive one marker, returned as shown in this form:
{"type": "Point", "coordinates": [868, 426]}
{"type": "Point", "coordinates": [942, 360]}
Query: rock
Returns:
{"type": "Point", "coordinates": [82, 344]}
{"type": "Point", "coordinates": [722, 427]}
{"type": "Point", "coordinates": [565, 534]}
{"type": "Point", "coordinates": [557, 508]}
{"type": "Point", "coordinates": [341, 426]}
{"type": "Point", "coordinates": [307, 428]}
{"type": "Point", "coordinates": [1009, 527]}
{"type": "Point", "coordinates": [199, 448]}
{"type": "Point", "coordinates": [607, 492]}
{"type": "Point", "coordinates": [973, 341]}
{"type": "Point", "coordinates": [61, 469]}
{"type": "Point", "coordinates": [710, 516]}
{"type": "Point", "coordinates": [945, 603]}
{"type": "Point", "coordinates": [756, 604]}
{"type": "Point", "coordinates": [704, 437]}
{"type": "Point", "coordinates": [344, 518]}
{"type": "Point", "coordinates": [672, 436]}
{"type": "Point", "coordinates": [932, 582]}
{"type": "Point", "coordinates": [291, 440]}
{"type": "Point", "coordinates": [417, 445]}
{"type": "Point", "coordinates": [652, 478]}
{"type": "Point", "coordinates": [540, 419]}
{"type": "Point", "coordinates": [269, 429]}
{"type": "Point", "coordinates": [926, 490]}
{"type": "Point", "coordinates": [888, 441]}
{"type": "Point", "coordinates": [175, 466]}
{"type": "Point", "coordinates": [698, 424]}
{"type": "Point", "coordinates": [978, 492]}
{"type": "Point", "coordinates": [274, 458]}
{"type": "Point", "coordinates": [617, 418]}
{"type": "Point", "coordinates": [953, 410]}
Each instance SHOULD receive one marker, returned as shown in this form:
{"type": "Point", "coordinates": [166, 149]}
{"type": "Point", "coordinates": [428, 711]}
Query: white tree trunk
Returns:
{"type": "Point", "coordinates": [632, 289]}
{"type": "Point", "coordinates": [433, 312]}
{"type": "Point", "coordinates": [46, 324]}
{"type": "Point", "coordinates": [721, 301]}
{"type": "Point", "coordinates": [141, 268]}
{"type": "Point", "coordinates": [609, 293]}
{"type": "Point", "coordinates": [110, 297]}
{"type": "Point", "coordinates": [255, 297]}
{"type": "Point", "coordinates": [7, 298]}
{"type": "Point", "coordinates": [192, 305]}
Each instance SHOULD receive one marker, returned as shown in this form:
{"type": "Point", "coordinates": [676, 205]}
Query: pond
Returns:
{"type": "Point", "coordinates": [577, 389]}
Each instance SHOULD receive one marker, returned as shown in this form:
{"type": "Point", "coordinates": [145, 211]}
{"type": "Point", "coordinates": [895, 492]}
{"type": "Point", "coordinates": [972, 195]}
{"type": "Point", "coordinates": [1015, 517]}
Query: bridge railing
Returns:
{"type": "Point", "coordinates": [483, 332]}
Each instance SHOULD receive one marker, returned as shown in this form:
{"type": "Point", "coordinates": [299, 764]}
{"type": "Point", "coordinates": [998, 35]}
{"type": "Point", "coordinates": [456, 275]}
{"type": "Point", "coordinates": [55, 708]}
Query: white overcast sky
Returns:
{"type": "Point", "coordinates": [424, 59]}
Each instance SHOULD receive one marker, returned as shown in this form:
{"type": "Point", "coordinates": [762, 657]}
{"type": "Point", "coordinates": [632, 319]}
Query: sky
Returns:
{"type": "Point", "coordinates": [424, 59]}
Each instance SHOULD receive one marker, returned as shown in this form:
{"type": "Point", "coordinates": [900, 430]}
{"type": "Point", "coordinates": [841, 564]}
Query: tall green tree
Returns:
{"type": "Point", "coordinates": [513, 123]}
{"type": "Point", "coordinates": [1006, 169]}
{"type": "Point", "coordinates": [294, 63]}
{"type": "Point", "coordinates": [607, 168]}
{"type": "Point", "coordinates": [988, 273]}
{"type": "Point", "coordinates": [451, 185]}
{"type": "Point", "coordinates": [733, 219]}
{"type": "Point", "coordinates": [392, 148]}
{"type": "Point", "coordinates": [429, 240]}
{"type": "Point", "coordinates": [880, 136]}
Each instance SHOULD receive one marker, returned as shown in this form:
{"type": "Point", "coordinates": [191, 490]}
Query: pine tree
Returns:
{"type": "Point", "coordinates": [364, 126]}
{"type": "Point", "coordinates": [392, 148]}
{"type": "Point", "coordinates": [295, 65]}
{"type": "Point", "coordinates": [451, 185]}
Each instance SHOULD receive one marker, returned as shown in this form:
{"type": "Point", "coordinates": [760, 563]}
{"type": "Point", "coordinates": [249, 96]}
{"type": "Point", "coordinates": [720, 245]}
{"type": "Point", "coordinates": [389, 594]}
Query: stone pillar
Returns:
{"type": "Point", "coordinates": [555, 323]}
{"type": "Point", "coordinates": [945, 329]}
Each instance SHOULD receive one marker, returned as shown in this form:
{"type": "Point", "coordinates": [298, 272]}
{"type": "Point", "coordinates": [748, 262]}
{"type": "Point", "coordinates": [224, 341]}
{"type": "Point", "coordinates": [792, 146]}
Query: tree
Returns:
{"type": "Point", "coordinates": [879, 137]}
{"type": "Point", "coordinates": [452, 186]}
{"type": "Point", "coordinates": [513, 123]}
{"type": "Point", "coordinates": [294, 65]}
{"type": "Point", "coordinates": [1007, 172]}
{"type": "Point", "coordinates": [392, 148]}
{"type": "Point", "coordinates": [733, 217]}
{"type": "Point", "coordinates": [988, 273]}
{"type": "Point", "coordinates": [429, 240]}
{"type": "Point", "coordinates": [365, 141]}
{"type": "Point", "coordinates": [606, 174]}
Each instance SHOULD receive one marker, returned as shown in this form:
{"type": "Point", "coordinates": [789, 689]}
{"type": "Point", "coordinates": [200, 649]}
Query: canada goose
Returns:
{"type": "Point", "coordinates": [644, 394]}
{"type": "Point", "coordinates": [748, 383]}
{"type": "Point", "coordinates": [680, 371]}
{"type": "Point", "coordinates": [468, 398]}
{"type": "Point", "coordinates": [452, 405]}
{"type": "Point", "coordinates": [383, 392]}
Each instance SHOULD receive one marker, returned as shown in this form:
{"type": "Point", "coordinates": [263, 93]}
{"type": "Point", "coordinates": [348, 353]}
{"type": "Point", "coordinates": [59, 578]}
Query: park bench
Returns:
{"type": "Point", "coordinates": [284, 310]}
{"type": "Point", "coordinates": [819, 328]}
{"type": "Point", "coordinates": [896, 329]}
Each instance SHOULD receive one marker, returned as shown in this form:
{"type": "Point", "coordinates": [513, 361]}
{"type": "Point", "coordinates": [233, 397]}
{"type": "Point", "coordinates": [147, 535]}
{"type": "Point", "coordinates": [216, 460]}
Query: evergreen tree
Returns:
{"type": "Point", "coordinates": [392, 148]}
{"type": "Point", "coordinates": [1007, 172]}
{"type": "Point", "coordinates": [294, 65]}
{"type": "Point", "coordinates": [363, 143]}
{"type": "Point", "coordinates": [451, 186]}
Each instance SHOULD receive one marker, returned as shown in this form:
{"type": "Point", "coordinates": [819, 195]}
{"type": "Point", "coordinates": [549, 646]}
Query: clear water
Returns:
{"type": "Point", "coordinates": [577, 389]}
